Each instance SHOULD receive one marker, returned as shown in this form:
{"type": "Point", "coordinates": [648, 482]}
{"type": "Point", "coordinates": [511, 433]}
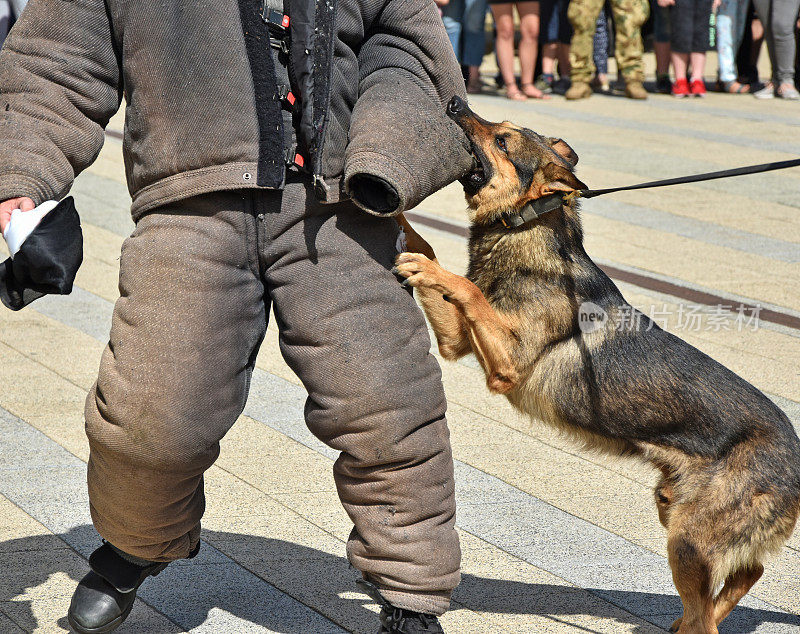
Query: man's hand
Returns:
{"type": "Point", "coordinates": [666, 3]}
{"type": "Point", "coordinates": [25, 204]}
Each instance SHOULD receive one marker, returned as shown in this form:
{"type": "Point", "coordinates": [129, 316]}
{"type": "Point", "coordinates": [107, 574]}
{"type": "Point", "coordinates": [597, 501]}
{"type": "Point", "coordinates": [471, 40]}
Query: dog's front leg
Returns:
{"type": "Point", "coordinates": [445, 319]}
{"type": "Point", "coordinates": [490, 334]}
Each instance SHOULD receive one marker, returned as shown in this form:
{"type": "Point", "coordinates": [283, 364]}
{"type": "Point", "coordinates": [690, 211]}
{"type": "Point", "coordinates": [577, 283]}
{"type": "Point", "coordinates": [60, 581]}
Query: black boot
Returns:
{"type": "Point", "coordinates": [398, 621]}
{"type": "Point", "coordinates": [105, 596]}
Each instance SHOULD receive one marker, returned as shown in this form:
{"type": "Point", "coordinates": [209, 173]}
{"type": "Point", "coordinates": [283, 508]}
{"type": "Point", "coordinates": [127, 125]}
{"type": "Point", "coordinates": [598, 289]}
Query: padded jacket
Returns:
{"type": "Point", "coordinates": [373, 77]}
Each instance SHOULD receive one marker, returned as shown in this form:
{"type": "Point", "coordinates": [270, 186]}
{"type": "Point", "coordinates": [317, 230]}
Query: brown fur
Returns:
{"type": "Point", "coordinates": [729, 494]}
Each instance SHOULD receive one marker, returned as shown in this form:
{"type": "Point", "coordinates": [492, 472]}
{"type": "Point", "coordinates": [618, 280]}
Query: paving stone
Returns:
{"type": "Point", "coordinates": [220, 595]}
{"type": "Point", "coordinates": [7, 625]}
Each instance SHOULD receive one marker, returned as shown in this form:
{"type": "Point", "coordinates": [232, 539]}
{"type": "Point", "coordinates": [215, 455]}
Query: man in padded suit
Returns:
{"type": "Point", "coordinates": [251, 130]}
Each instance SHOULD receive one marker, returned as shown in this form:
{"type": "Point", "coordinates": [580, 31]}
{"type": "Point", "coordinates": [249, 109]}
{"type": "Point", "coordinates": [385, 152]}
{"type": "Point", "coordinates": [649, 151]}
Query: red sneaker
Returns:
{"type": "Point", "coordinates": [680, 88]}
{"type": "Point", "coordinates": [698, 88]}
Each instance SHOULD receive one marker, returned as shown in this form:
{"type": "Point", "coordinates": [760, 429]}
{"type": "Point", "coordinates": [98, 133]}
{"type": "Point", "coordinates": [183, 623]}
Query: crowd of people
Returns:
{"type": "Point", "coordinates": [563, 46]}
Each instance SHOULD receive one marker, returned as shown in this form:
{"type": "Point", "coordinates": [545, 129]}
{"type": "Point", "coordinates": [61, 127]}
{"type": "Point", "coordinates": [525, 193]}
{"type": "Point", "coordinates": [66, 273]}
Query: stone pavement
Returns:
{"type": "Point", "coordinates": [554, 540]}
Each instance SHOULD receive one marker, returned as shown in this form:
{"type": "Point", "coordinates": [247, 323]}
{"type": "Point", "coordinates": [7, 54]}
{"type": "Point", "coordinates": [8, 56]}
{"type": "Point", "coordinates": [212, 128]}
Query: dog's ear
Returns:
{"type": "Point", "coordinates": [562, 148]}
{"type": "Point", "coordinates": [561, 179]}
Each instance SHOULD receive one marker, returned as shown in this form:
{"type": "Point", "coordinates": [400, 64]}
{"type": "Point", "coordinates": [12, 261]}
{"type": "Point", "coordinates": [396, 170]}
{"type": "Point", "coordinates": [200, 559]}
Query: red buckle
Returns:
{"type": "Point", "coordinates": [299, 160]}
{"type": "Point", "coordinates": [277, 20]}
{"type": "Point", "coordinates": [287, 97]}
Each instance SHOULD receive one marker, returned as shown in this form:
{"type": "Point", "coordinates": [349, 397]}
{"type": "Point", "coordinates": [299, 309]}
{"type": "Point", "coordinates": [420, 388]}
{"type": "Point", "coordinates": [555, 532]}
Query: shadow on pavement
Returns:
{"type": "Point", "coordinates": [313, 577]}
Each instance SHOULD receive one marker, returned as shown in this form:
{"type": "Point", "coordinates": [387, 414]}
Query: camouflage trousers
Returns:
{"type": "Point", "coordinates": [629, 16]}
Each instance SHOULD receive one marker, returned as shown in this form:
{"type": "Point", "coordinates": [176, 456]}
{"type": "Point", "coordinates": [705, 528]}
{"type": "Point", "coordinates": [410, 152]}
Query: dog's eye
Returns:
{"type": "Point", "coordinates": [501, 143]}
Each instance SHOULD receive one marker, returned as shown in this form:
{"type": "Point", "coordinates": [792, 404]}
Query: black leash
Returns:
{"type": "Point", "coordinates": [551, 202]}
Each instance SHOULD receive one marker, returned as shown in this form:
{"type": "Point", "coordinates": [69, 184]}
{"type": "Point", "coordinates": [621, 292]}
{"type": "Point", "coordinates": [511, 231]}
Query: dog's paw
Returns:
{"type": "Point", "coordinates": [421, 272]}
{"type": "Point", "coordinates": [676, 625]}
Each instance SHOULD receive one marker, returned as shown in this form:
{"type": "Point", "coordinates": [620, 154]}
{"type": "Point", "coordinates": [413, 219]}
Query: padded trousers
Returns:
{"type": "Point", "coordinates": [629, 16]}
{"type": "Point", "coordinates": [197, 279]}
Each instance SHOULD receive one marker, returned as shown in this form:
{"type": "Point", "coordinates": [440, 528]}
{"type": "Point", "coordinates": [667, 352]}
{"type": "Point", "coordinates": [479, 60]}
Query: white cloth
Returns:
{"type": "Point", "coordinates": [23, 223]}
{"type": "Point", "coordinates": [401, 245]}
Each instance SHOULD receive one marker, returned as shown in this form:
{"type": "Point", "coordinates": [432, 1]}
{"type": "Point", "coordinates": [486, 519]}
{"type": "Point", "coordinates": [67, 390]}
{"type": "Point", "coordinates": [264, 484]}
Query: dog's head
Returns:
{"type": "Point", "coordinates": [513, 165]}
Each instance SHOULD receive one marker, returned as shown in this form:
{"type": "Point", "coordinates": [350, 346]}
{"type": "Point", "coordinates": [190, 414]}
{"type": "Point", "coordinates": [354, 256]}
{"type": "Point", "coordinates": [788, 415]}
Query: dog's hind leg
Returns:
{"type": "Point", "coordinates": [692, 577]}
{"type": "Point", "coordinates": [736, 586]}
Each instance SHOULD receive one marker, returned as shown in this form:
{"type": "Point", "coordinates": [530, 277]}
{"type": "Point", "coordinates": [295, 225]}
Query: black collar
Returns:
{"type": "Point", "coordinates": [533, 210]}
{"type": "Point", "coordinates": [551, 202]}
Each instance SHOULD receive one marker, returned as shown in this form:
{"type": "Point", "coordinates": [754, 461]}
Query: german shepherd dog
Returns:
{"type": "Point", "coordinates": [729, 492]}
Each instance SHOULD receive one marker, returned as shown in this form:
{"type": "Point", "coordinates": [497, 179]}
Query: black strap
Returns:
{"type": "Point", "coordinates": [551, 202]}
{"type": "Point", "coordinates": [695, 178]}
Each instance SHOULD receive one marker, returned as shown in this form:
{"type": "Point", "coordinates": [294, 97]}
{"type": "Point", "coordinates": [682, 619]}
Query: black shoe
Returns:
{"type": "Point", "coordinates": [663, 84]}
{"type": "Point", "coordinates": [398, 621]}
{"type": "Point", "coordinates": [105, 596]}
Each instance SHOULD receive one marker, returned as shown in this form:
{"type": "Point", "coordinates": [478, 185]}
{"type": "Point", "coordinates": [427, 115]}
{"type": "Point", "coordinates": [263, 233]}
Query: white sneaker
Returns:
{"type": "Point", "coordinates": [789, 93]}
{"type": "Point", "coordinates": [767, 92]}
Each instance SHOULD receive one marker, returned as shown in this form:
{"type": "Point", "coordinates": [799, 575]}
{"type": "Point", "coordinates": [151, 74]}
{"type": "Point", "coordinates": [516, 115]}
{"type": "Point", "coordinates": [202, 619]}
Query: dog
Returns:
{"type": "Point", "coordinates": [729, 491]}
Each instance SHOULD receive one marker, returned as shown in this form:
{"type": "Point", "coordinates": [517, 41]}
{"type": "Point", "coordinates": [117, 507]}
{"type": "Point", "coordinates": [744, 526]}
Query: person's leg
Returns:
{"type": "Point", "coordinates": [563, 56]}
{"type": "Point", "coordinates": [548, 10]}
{"type": "Point", "coordinates": [700, 41]}
{"type": "Point", "coordinates": [764, 10]}
{"type": "Point", "coordinates": [662, 51]}
{"type": "Point", "coordinates": [175, 374]}
{"type": "Point", "coordinates": [727, 14]}
{"type": "Point", "coordinates": [784, 24]}
{"type": "Point", "coordinates": [629, 16]}
{"type": "Point", "coordinates": [557, 34]}
{"type": "Point", "coordinates": [5, 20]}
{"type": "Point", "coordinates": [360, 345]}
{"type": "Point", "coordinates": [474, 40]}
{"type": "Point", "coordinates": [739, 23]}
{"type": "Point", "coordinates": [661, 47]}
{"type": "Point", "coordinates": [697, 61]}
{"type": "Point", "coordinates": [681, 36]}
{"type": "Point", "coordinates": [528, 46]}
{"type": "Point", "coordinates": [504, 46]}
{"type": "Point", "coordinates": [549, 57]}
{"type": "Point", "coordinates": [564, 38]}
{"type": "Point", "coordinates": [452, 17]}
{"type": "Point", "coordinates": [680, 44]}
{"type": "Point", "coordinates": [582, 16]}
{"type": "Point", "coordinates": [600, 52]}
{"type": "Point", "coordinates": [17, 7]}
{"type": "Point", "coordinates": [680, 64]}
{"type": "Point", "coordinates": [757, 37]}
{"type": "Point", "coordinates": [797, 61]}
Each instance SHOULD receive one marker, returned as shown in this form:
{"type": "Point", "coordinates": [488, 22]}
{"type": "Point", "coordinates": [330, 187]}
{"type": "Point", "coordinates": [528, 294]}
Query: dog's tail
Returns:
{"type": "Point", "coordinates": [731, 515]}
{"type": "Point", "coordinates": [756, 530]}
{"type": "Point", "coordinates": [757, 495]}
